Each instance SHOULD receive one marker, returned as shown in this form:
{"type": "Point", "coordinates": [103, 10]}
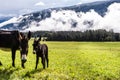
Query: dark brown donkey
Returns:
{"type": "Point", "coordinates": [41, 50]}
{"type": "Point", "coordinates": [15, 40]}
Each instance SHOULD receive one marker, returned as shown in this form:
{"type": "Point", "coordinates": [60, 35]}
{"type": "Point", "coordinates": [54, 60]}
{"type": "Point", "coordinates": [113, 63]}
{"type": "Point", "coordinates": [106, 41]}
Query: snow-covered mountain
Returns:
{"type": "Point", "coordinates": [2, 19]}
{"type": "Point", "coordinates": [96, 15]}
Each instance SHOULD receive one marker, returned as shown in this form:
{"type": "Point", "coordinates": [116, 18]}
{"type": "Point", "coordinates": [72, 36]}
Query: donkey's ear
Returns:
{"type": "Point", "coordinates": [39, 38]}
{"type": "Point", "coordinates": [35, 39]}
{"type": "Point", "coordinates": [29, 35]}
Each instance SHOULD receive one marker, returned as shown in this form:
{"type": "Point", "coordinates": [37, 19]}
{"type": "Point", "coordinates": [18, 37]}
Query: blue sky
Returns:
{"type": "Point", "coordinates": [17, 7]}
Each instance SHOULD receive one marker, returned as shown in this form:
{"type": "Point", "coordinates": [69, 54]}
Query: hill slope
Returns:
{"type": "Point", "coordinates": [77, 18]}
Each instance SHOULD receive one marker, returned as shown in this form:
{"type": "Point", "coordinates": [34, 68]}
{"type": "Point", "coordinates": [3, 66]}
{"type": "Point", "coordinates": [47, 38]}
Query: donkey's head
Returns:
{"type": "Point", "coordinates": [24, 47]}
{"type": "Point", "coordinates": [36, 44]}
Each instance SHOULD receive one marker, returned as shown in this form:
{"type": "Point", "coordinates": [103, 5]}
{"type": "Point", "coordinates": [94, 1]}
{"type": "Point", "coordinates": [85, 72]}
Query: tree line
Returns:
{"type": "Point", "coordinates": [88, 35]}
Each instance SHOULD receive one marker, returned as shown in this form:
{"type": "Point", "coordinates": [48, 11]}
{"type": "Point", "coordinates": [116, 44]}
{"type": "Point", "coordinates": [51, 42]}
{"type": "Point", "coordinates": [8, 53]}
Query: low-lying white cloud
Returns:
{"type": "Point", "coordinates": [112, 18]}
{"type": "Point", "coordinates": [67, 20]}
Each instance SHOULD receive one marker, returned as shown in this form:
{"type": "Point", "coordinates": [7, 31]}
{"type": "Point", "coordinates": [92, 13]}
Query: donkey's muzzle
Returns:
{"type": "Point", "coordinates": [34, 51]}
{"type": "Point", "coordinates": [23, 58]}
{"type": "Point", "coordinates": [23, 61]}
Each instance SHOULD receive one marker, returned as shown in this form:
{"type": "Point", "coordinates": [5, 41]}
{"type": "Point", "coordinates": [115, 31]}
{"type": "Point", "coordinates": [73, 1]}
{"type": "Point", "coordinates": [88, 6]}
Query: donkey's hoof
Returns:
{"type": "Point", "coordinates": [13, 65]}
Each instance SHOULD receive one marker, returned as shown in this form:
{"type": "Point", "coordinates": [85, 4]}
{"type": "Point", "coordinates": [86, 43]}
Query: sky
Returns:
{"type": "Point", "coordinates": [20, 7]}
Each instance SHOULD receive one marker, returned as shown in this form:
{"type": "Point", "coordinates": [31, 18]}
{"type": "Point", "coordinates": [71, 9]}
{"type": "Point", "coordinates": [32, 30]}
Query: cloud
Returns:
{"type": "Point", "coordinates": [40, 4]}
{"type": "Point", "coordinates": [7, 15]}
{"type": "Point", "coordinates": [67, 20]}
{"type": "Point", "coordinates": [25, 11]}
{"type": "Point", "coordinates": [79, 3]}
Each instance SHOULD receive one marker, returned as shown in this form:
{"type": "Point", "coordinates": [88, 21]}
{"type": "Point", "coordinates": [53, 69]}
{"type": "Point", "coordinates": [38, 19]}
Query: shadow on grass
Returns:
{"type": "Point", "coordinates": [30, 73]}
{"type": "Point", "coordinates": [0, 63]}
{"type": "Point", "coordinates": [5, 73]}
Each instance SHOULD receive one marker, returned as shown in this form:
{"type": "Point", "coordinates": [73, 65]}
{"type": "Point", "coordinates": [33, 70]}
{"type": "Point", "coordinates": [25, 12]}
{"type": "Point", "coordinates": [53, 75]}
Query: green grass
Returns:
{"type": "Point", "coordinates": [67, 61]}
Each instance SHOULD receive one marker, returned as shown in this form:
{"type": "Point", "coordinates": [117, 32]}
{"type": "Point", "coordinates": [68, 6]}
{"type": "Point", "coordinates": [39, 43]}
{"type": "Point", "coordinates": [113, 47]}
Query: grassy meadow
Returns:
{"type": "Point", "coordinates": [67, 61]}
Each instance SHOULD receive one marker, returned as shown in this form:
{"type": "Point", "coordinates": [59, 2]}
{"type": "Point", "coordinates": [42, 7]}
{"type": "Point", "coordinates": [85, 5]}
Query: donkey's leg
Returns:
{"type": "Point", "coordinates": [47, 62]}
{"type": "Point", "coordinates": [43, 61]}
{"type": "Point", "coordinates": [13, 57]}
{"type": "Point", "coordinates": [22, 64]}
{"type": "Point", "coordinates": [47, 59]}
{"type": "Point", "coordinates": [37, 60]}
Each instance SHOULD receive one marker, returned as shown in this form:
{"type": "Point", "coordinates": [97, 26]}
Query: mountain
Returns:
{"type": "Point", "coordinates": [63, 18]}
{"type": "Point", "coordinates": [2, 19]}
{"type": "Point", "coordinates": [100, 7]}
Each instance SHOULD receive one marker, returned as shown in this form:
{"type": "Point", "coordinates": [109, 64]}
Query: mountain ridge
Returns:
{"type": "Point", "coordinates": [23, 22]}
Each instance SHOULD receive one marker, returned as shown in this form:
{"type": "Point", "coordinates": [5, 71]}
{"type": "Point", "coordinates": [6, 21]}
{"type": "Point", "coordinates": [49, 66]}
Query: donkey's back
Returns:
{"type": "Point", "coordinates": [43, 50]}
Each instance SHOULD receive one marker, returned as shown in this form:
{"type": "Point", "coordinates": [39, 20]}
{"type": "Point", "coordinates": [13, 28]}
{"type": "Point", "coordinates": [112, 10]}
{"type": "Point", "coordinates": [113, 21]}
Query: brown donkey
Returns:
{"type": "Point", "coordinates": [41, 50]}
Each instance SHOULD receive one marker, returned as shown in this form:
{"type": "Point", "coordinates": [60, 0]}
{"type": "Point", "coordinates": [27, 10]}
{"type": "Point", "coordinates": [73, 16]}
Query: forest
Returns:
{"type": "Point", "coordinates": [89, 35]}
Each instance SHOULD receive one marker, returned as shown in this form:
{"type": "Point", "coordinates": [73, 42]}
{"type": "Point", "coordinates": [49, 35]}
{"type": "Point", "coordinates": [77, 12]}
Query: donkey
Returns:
{"type": "Point", "coordinates": [14, 40]}
{"type": "Point", "coordinates": [41, 50]}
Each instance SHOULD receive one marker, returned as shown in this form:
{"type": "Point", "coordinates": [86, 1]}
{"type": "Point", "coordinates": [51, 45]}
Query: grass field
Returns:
{"type": "Point", "coordinates": [67, 61]}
